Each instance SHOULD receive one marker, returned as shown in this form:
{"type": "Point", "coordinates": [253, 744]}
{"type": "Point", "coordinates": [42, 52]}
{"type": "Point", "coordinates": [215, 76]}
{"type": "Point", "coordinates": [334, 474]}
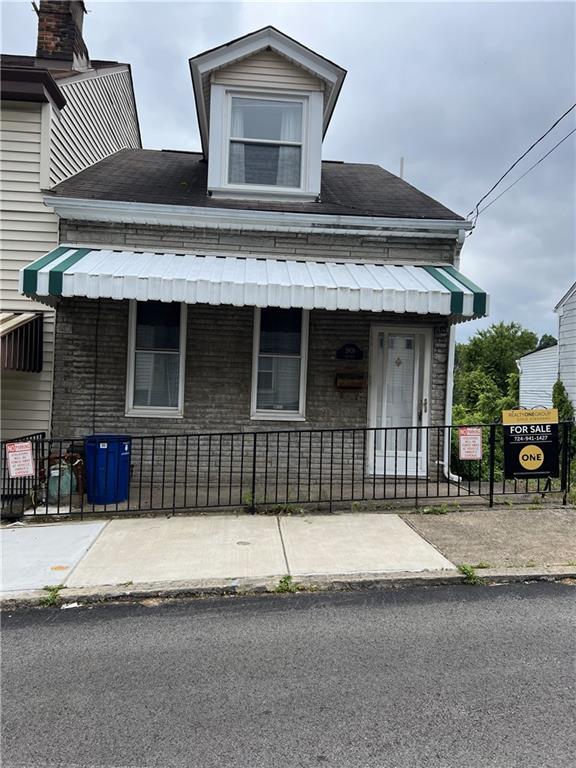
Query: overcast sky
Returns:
{"type": "Point", "coordinates": [458, 89]}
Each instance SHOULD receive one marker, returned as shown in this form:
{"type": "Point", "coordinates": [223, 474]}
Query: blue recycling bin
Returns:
{"type": "Point", "coordinates": [107, 468]}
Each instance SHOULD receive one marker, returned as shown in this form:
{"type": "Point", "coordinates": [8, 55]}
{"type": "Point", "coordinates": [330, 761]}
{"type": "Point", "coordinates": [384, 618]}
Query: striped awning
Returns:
{"type": "Point", "coordinates": [253, 281]}
{"type": "Point", "coordinates": [21, 335]}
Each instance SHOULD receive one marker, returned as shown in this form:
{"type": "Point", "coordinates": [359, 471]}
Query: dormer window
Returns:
{"type": "Point", "coordinates": [264, 103]}
{"type": "Point", "coordinates": [265, 144]}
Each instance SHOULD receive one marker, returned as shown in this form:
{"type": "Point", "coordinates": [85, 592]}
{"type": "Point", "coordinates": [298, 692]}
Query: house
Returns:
{"type": "Point", "coordinates": [538, 374]}
{"type": "Point", "coordinates": [252, 286]}
{"type": "Point", "coordinates": [61, 112]}
{"type": "Point", "coordinates": [539, 370]}
{"type": "Point", "coordinates": [566, 311]}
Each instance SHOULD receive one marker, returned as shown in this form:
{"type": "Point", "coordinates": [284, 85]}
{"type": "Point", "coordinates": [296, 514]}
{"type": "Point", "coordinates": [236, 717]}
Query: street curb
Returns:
{"type": "Point", "coordinates": [300, 584]}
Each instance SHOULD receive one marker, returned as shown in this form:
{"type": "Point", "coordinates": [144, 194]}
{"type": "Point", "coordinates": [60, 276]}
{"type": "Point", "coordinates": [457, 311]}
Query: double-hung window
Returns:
{"type": "Point", "coordinates": [280, 352]}
{"type": "Point", "coordinates": [156, 351]}
{"type": "Point", "coordinates": [265, 142]}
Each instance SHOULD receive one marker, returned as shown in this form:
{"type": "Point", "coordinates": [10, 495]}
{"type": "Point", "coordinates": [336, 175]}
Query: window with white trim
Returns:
{"type": "Point", "coordinates": [280, 352]}
{"type": "Point", "coordinates": [265, 142]}
{"type": "Point", "coordinates": [156, 351]}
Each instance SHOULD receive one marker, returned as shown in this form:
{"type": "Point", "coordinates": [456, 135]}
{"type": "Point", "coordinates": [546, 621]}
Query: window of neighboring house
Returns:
{"type": "Point", "coordinates": [265, 142]}
{"type": "Point", "coordinates": [280, 351]}
{"type": "Point", "coordinates": [156, 358]}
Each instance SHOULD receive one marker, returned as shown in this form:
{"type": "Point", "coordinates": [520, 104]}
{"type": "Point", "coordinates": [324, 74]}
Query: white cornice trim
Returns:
{"type": "Point", "coordinates": [90, 74]}
{"type": "Point", "coordinates": [262, 221]}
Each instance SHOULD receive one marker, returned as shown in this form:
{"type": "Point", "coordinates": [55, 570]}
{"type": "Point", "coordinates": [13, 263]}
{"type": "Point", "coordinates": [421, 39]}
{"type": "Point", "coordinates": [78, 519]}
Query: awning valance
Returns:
{"type": "Point", "coordinates": [253, 281]}
{"type": "Point", "coordinates": [21, 336]}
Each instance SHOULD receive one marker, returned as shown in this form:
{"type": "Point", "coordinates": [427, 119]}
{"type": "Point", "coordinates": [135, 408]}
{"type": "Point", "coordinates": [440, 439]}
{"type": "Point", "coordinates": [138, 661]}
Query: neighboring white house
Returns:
{"type": "Point", "coordinates": [538, 374]}
{"type": "Point", "coordinates": [539, 370]}
{"type": "Point", "coordinates": [61, 113]}
{"type": "Point", "coordinates": [566, 310]}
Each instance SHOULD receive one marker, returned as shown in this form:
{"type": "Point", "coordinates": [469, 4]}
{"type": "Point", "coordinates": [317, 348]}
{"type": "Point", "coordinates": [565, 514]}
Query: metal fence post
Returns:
{"type": "Point", "coordinates": [253, 487]}
{"type": "Point", "coordinates": [491, 459]}
{"type": "Point", "coordinates": [564, 471]}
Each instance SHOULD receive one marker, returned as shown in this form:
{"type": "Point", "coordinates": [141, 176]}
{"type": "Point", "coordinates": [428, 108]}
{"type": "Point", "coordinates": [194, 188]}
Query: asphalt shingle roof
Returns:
{"type": "Point", "coordinates": [180, 178]}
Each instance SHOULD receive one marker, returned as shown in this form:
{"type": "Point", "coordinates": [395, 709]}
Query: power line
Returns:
{"type": "Point", "coordinates": [527, 172]}
{"type": "Point", "coordinates": [530, 148]}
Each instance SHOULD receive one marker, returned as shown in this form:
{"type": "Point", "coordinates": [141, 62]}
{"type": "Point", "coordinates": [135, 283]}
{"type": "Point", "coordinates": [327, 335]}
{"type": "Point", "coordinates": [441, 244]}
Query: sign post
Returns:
{"type": "Point", "coordinates": [530, 443]}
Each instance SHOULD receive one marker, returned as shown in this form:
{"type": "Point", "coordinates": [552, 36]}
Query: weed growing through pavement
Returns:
{"type": "Point", "coordinates": [53, 596]}
{"type": "Point", "coordinates": [441, 509]}
{"type": "Point", "coordinates": [470, 575]}
{"type": "Point", "coordinates": [286, 585]}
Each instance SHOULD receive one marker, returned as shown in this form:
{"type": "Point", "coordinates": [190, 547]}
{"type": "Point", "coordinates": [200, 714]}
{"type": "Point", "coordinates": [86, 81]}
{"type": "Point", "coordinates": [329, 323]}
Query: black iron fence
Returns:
{"type": "Point", "coordinates": [17, 491]}
{"type": "Point", "coordinates": [265, 470]}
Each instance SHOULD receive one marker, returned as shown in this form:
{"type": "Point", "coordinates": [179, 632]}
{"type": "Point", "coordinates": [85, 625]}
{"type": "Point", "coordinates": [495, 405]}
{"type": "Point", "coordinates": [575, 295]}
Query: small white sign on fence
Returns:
{"type": "Point", "coordinates": [20, 460]}
{"type": "Point", "coordinates": [470, 443]}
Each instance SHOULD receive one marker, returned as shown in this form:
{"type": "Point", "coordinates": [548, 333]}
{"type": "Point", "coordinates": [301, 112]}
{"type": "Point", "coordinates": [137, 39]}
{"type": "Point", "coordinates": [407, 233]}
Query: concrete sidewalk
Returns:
{"type": "Point", "coordinates": [215, 554]}
{"type": "Point", "coordinates": [228, 547]}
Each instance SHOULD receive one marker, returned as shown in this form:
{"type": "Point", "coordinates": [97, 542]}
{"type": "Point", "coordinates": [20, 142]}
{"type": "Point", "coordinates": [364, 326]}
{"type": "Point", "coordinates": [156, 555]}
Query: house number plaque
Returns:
{"type": "Point", "coordinates": [349, 351]}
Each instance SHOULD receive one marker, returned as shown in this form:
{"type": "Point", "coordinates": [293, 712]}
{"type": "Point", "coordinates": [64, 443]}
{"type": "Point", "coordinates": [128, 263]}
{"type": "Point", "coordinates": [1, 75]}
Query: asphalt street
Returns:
{"type": "Point", "coordinates": [441, 676]}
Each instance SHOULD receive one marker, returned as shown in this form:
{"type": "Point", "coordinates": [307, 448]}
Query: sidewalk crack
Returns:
{"type": "Point", "coordinates": [283, 546]}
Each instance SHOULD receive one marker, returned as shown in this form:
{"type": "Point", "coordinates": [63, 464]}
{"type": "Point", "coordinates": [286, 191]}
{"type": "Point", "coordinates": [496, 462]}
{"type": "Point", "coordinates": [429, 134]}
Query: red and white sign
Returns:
{"type": "Point", "coordinates": [470, 443]}
{"type": "Point", "coordinates": [19, 459]}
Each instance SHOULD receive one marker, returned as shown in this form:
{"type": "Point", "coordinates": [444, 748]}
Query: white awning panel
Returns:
{"type": "Point", "coordinates": [252, 281]}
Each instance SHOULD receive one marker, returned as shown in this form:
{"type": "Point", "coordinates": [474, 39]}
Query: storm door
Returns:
{"type": "Point", "coordinates": [399, 400]}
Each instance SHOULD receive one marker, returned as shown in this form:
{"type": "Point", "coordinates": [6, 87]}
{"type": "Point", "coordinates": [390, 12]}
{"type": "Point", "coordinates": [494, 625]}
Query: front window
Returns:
{"type": "Point", "coordinates": [280, 363]}
{"type": "Point", "coordinates": [265, 146]}
{"type": "Point", "coordinates": [156, 358]}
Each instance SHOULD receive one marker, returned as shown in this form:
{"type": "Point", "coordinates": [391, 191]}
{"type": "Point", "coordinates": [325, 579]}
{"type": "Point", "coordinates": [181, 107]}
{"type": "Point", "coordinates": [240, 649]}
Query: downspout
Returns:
{"type": "Point", "coordinates": [448, 407]}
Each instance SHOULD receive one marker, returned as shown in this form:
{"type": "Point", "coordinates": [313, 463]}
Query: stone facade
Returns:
{"type": "Point", "coordinates": [91, 365]}
{"type": "Point", "coordinates": [336, 247]}
{"type": "Point", "coordinates": [91, 374]}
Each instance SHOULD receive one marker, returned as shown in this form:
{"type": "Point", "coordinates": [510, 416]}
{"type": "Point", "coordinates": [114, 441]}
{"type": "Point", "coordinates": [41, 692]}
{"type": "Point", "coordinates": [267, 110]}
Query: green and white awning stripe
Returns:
{"type": "Point", "coordinates": [458, 284]}
{"type": "Point", "coordinates": [247, 280]}
{"type": "Point", "coordinates": [44, 276]}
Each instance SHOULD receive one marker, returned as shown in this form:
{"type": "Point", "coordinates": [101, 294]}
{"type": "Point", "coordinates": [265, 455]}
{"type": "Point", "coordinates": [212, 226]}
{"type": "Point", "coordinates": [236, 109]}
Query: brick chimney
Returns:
{"type": "Point", "coordinates": [60, 32]}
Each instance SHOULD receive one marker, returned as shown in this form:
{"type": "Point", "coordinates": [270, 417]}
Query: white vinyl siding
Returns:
{"type": "Point", "coordinates": [99, 119]}
{"type": "Point", "coordinates": [538, 374]}
{"type": "Point", "coordinates": [29, 230]}
{"type": "Point", "coordinates": [567, 345]}
{"type": "Point", "coordinates": [267, 69]}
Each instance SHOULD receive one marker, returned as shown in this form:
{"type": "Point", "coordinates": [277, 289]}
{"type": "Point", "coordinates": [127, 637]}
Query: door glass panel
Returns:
{"type": "Point", "coordinates": [399, 388]}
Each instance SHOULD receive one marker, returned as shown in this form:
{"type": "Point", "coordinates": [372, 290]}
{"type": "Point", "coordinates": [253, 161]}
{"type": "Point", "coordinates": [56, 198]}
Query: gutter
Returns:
{"type": "Point", "coordinates": [448, 407]}
{"type": "Point", "coordinates": [254, 220]}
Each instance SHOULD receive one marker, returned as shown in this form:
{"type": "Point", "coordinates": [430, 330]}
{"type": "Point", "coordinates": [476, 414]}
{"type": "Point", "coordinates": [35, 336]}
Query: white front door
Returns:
{"type": "Point", "coordinates": [399, 399]}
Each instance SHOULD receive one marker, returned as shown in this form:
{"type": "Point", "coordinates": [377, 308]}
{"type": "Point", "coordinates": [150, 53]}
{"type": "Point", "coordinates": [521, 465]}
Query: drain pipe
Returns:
{"type": "Point", "coordinates": [448, 406]}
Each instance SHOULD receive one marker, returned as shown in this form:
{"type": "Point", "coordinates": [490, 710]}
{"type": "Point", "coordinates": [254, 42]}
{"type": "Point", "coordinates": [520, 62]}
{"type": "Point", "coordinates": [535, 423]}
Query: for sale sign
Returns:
{"type": "Point", "coordinates": [530, 443]}
{"type": "Point", "coordinates": [19, 459]}
{"type": "Point", "coordinates": [470, 443]}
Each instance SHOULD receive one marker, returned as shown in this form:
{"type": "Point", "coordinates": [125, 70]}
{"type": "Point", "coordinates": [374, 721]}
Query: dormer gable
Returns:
{"type": "Point", "coordinates": [264, 103]}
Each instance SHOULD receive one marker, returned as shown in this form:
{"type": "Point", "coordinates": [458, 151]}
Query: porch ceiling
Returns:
{"type": "Point", "coordinates": [70, 270]}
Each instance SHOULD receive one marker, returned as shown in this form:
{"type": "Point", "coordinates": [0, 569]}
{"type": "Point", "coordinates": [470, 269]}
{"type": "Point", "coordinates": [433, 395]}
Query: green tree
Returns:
{"type": "Point", "coordinates": [547, 340]}
{"type": "Point", "coordinates": [561, 401]}
{"type": "Point", "coordinates": [495, 351]}
{"type": "Point", "coordinates": [470, 386]}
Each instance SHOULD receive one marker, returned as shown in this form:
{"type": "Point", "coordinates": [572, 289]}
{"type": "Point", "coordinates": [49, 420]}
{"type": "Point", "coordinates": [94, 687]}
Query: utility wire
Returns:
{"type": "Point", "coordinates": [475, 210]}
{"type": "Point", "coordinates": [526, 172]}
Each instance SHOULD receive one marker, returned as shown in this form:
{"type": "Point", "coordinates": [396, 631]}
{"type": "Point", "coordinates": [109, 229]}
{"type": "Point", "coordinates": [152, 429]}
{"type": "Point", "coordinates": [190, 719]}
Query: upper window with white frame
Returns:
{"type": "Point", "coordinates": [280, 354]}
{"type": "Point", "coordinates": [156, 351]}
{"type": "Point", "coordinates": [265, 144]}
